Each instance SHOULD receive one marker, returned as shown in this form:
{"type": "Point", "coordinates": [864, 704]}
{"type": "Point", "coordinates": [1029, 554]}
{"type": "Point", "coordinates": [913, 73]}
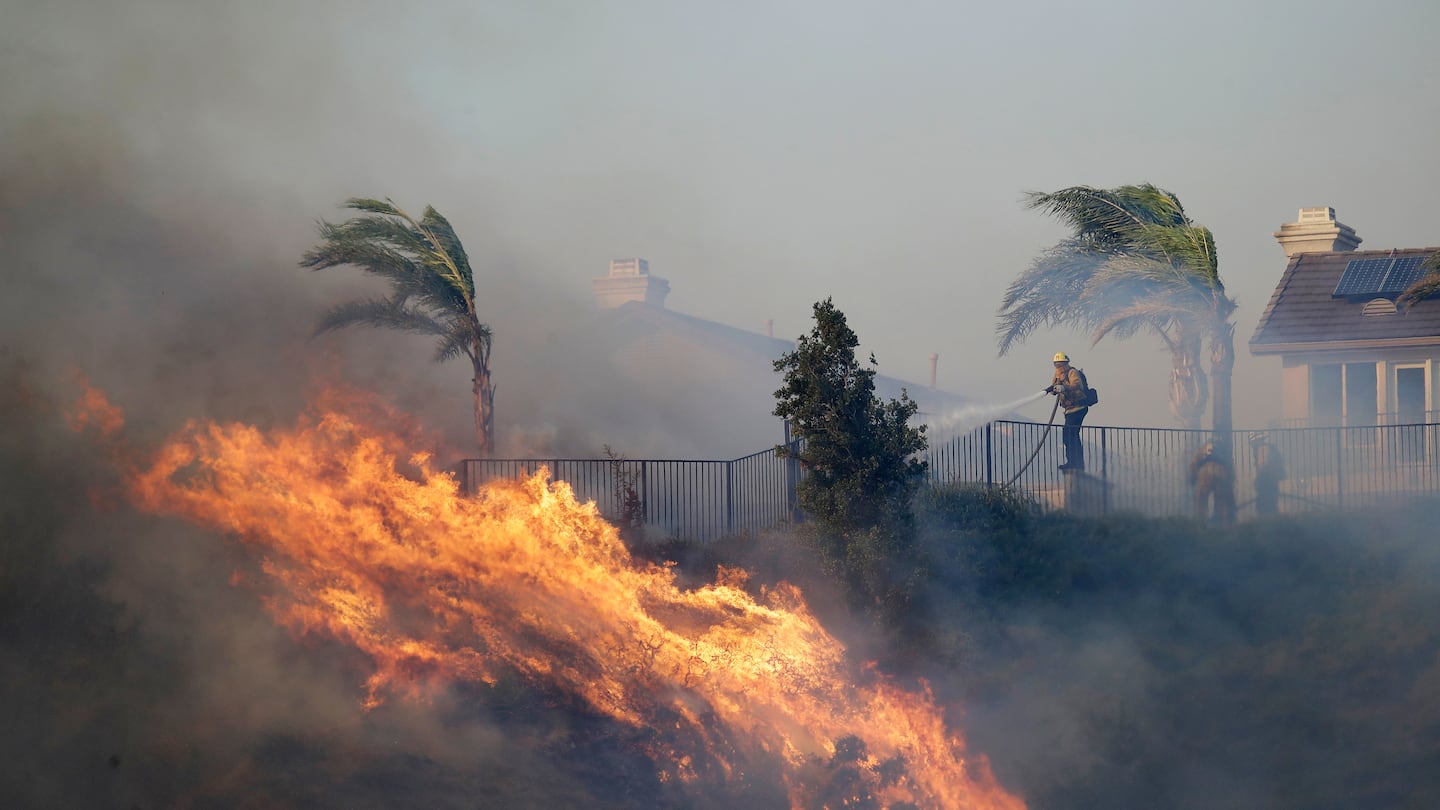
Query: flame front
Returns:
{"type": "Point", "coordinates": [433, 586]}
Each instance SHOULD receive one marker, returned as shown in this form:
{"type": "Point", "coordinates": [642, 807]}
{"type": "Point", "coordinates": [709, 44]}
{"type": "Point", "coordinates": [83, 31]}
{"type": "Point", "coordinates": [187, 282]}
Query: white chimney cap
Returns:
{"type": "Point", "coordinates": [629, 267]}
{"type": "Point", "coordinates": [1316, 230]}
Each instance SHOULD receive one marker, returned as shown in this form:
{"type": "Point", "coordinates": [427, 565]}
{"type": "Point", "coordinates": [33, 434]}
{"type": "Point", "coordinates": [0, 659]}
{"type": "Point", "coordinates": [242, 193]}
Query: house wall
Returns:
{"type": "Point", "coordinates": [1299, 376]}
{"type": "Point", "coordinates": [1294, 389]}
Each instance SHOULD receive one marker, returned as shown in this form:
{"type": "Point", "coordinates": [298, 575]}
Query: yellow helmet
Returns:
{"type": "Point", "coordinates": [1061, 357]}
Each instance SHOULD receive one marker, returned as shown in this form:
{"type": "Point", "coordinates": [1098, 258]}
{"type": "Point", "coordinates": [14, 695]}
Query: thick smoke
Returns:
{"type": "Point", "coordinates": [161, 169]}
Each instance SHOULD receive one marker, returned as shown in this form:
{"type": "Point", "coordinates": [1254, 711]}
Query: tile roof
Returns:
{"type": "Point", "coordinates": [639, 318]}
{"type": "Point", "coordinates": [646, 317]}
{"type": "Point", "coordinates": [1302, 315]}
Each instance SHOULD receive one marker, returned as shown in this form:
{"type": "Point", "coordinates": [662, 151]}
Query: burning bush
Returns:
{"type": "Point", "coordinates": [360, 543]}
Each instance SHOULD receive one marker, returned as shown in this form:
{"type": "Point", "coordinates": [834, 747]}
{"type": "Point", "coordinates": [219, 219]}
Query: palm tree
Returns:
{"type": "Point", "coordinates": [1135, 263]}
{"type": "Point", "coordinates": [432, 289]}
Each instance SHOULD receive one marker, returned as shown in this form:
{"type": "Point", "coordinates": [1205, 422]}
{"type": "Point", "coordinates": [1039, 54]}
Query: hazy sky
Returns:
{"type": "Point", "coordinates": [763, 156]}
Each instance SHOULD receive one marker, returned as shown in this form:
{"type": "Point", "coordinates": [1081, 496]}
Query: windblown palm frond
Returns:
{"type": "Point", "coordinates": [1187, 247]}
{"type": "Point", "coordinates": [459, 340]}
{"type": "Point", "coordinates": [1049, 294]}
{"type": "Point", "coordinates": [373, 206]}
{"type": "Point", "coordinates": [1157, 316]}
{"type": "Point", "coordinates": [448, 246]}
{"type": "Point", "coordinates": [1108, 219]}
{"type": "Point", "coordinates": [1145, 275]}
{"type": "Point", "coordinates": [1428, 285]}
{"type": "Point", "coordinates": [386, 313]}
{"type": "Point", "coordinates": [391, 243]}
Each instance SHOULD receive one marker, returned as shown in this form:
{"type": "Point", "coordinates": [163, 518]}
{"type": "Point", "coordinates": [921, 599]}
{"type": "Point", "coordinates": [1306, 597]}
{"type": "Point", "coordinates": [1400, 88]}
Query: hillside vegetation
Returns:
{"type": "Point", "coordinates": [1134, 662]}
{"type": "Point", "coordinates": [1116, 663]}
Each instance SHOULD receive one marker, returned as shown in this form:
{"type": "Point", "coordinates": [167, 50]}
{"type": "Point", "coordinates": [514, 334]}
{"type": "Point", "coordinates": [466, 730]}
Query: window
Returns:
{"type": "Point", "coordinates": [1361, 403]}
{"type": "Point", "coordinates": [1343, 394]}
{"type": "Point", "coordinates": [1325, 403]}
{"type": "Point", "coordinates": [1410, 445]}
{"type": "Point", "coordinates": [1410, 395]}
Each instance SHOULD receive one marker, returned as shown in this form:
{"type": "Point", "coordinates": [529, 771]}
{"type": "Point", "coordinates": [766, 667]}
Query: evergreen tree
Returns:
{"type": "Point", "coordinates": [858, 456]}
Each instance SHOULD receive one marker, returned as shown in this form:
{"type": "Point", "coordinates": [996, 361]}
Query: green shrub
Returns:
{"type": "Point", "coordinates": [858, 454]}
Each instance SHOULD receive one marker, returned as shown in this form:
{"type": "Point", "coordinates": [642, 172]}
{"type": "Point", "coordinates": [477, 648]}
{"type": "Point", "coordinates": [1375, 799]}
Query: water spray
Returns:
{"type": "Point", "coordinates": [969, 417]}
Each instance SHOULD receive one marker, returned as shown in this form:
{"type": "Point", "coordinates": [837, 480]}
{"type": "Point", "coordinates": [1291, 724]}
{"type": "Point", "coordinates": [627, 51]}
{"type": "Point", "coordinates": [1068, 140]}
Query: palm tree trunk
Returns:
{"type": "Point", "coordinates": [484, 393]}
{"type": "Point", "coordinates": [1188, 389]}
{"type": "Point", "coordinates": [1222, 364]}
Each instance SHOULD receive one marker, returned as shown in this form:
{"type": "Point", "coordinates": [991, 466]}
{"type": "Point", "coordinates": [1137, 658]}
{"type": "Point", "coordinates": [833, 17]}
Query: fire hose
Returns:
{"type": "Point", "coordinates": [1043, 437]}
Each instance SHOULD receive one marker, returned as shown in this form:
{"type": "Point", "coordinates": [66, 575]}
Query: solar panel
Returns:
{"type": "Point", "coordinates": [1362, 277]}
{"type": "Point", "coordinates": [1405, 272]}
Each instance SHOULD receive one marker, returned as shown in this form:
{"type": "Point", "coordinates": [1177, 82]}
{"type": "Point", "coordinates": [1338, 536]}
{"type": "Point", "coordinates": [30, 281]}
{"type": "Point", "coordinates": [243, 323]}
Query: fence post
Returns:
{"type": "Point", "coordinates": [989, 458]}
{"type": "Point", "coordinates": [1339, 468]}
{"type": "Point", "coordinates": [729, 499]}
{"type": "Point", "coordinates": [792, 484]}
{"type": "Point", "coordinates": [1104, 471]}
{"type": "Point", "coordinates": [644, 492]}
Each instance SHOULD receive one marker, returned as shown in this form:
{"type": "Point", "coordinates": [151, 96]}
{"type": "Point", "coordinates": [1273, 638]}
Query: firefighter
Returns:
{"type": "Point", "coordinates": [1070, 386]}
{"type": "Point", "coordinates": [1269, 472]}
{"type": "Point", "coordinates": [1213, 478]}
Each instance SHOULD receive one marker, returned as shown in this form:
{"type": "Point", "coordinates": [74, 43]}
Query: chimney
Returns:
{"type": "Point", "coordinates": [629, 280]}
{"type": "Point", "coordinates": [934, 360]}
{"type": "Point", "coordinates": [770, 328]}
{"type": "Point", "coordinates": [1316, 231]}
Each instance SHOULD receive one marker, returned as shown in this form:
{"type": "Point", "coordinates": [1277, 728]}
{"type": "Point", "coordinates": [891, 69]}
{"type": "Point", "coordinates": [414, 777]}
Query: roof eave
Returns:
{"type": "Point", "coordinates": [1304, 347]}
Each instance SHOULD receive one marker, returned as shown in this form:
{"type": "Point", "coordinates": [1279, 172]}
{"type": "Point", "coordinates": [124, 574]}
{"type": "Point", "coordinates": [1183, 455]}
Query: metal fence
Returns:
{"type": "Point", "coordinates": [694, 499]}
{"type": "Point", "coordinates": [1146, 469]}
{"type": "Point", "coordinates": [1140, 470]}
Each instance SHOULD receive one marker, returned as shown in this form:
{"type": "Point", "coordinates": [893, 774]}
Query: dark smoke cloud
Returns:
{"type": "Point", "coordinates": [162, 165]}
{"type": "Point", "coordinates": [161, 169]}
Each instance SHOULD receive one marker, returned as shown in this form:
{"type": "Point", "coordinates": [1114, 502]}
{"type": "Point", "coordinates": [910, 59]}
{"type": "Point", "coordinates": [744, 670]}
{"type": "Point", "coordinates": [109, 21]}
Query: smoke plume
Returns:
{"type": "Point", "coordinates": [162, 166]}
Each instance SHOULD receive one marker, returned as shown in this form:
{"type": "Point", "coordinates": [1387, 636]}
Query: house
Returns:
{"type": "Point", "coordinates": [1349, 357]}
{"type": "Point", "coordinates": [706, 388]}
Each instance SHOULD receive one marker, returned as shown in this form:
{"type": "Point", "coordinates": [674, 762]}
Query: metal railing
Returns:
{"type": "Point", "coordinates": [694, 499]}
{"type": "Point", "coordinates": [1146, 469]}
{"type": "Point", "coordinates": [1129, 469]}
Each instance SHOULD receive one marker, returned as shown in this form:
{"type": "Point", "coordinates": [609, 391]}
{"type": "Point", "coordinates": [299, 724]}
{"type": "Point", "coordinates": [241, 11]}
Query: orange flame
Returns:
{"type": "Point", "coordinates": [94, 409]}
{"type": "Point", "coordinates": [433, 586]}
